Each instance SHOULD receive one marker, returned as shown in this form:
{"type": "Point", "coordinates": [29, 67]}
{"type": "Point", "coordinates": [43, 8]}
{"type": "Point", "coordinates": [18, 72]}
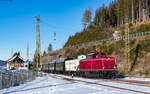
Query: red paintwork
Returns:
{"type": "Point", "coordinates": [100, 62]}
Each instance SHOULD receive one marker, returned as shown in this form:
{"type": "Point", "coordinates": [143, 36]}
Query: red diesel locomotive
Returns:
{"type": "Point", "coordinates": [97, 65]}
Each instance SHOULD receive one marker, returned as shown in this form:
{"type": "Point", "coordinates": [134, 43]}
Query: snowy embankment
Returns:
{"type": "Point", "coordinates": [54, 84]}
{"type": "Point", "coordinates": [136, 79]}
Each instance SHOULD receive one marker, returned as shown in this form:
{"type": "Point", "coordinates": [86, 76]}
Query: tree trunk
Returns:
{"type": "Point", "coordinates": [147, 9]}
{"type": "Point", "coordinates": [139, 10]}
{"type": "Point", "coordinates": [132, 12]}
{"type": "Point", "coordinates": [118, 21]}
{"type": "Point", "coordinates": [144, 14]}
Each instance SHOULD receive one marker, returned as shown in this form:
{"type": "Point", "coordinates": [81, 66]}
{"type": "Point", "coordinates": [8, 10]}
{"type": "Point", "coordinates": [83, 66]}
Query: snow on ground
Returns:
{"type": "Point", "coordinates": [51, 84]}
{"type": "Point", "coordinates": [112, 83]}
{"type": "Point", "coordinates": [137, 79]}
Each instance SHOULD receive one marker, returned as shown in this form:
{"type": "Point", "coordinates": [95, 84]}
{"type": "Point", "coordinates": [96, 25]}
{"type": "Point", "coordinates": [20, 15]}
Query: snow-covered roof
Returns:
{"type": "Point", "coordinates": [15, 56]}
{"type": "Point", "coordinates": [12, 58]}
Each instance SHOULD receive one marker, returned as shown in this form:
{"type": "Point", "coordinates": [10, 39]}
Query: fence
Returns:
{"type": "Point", "coordinates": [110, 39]}
{"type": "Point", "coordinates": [14, 78]}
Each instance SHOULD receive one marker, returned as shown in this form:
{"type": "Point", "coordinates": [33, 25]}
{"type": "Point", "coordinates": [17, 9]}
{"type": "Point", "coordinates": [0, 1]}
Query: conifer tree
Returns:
{"type": "Point", "coordinates": [86, 20]}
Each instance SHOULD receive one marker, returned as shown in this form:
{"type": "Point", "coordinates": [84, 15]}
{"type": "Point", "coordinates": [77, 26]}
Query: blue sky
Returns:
{"type": "Point", "coordinates": [17, 23]}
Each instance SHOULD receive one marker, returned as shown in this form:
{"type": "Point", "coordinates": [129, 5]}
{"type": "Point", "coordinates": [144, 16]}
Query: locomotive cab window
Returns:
{"type": "Point", "coordinates": [103, 54]}
{"type": "Point", "coordinates": [95, 56]}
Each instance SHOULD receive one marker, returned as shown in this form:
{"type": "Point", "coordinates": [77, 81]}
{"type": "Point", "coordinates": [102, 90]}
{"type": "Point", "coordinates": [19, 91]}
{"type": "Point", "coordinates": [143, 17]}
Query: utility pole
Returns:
{"type": "Point", "coordinates": [40, 66]}
{"type": "Point", "coordinates": [27, 51]}
{"type": "Point", "coordinates": [38, 46]}
{"type": "Point", "coordinates": [12, 52]}
{"type": "Point", "coordinates": [127, 48]}
{"type": "Point", "coordinates": [132, 12]}
{"type": "Point", "coordinates": [37, 53]}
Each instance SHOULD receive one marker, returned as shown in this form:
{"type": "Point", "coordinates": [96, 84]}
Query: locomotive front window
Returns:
{"type": "Point", "coordinates": [103, 54]}
{"type": "Point", "coordinates": [95, 56]}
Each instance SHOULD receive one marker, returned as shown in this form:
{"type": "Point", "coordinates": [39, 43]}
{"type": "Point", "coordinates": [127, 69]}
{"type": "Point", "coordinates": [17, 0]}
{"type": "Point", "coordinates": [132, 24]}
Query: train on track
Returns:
{"type": "Point", "coordinates": [95, 65]}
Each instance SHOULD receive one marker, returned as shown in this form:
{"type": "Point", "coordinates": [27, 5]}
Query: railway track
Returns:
{"type": "Point", "coordinates": [137, 83]}
{"type": "Point", "coordinates": [107, 85]}
{"type": "Point", "coordinates": [130, 82]}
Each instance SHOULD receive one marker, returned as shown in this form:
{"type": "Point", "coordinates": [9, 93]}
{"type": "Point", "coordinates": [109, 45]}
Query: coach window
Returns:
{"type": "Point", "coordinates": [95, 56]}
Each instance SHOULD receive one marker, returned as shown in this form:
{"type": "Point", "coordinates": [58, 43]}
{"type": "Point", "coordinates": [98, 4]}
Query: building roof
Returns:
{"type": "Point", "coordinates": [15, 56]}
